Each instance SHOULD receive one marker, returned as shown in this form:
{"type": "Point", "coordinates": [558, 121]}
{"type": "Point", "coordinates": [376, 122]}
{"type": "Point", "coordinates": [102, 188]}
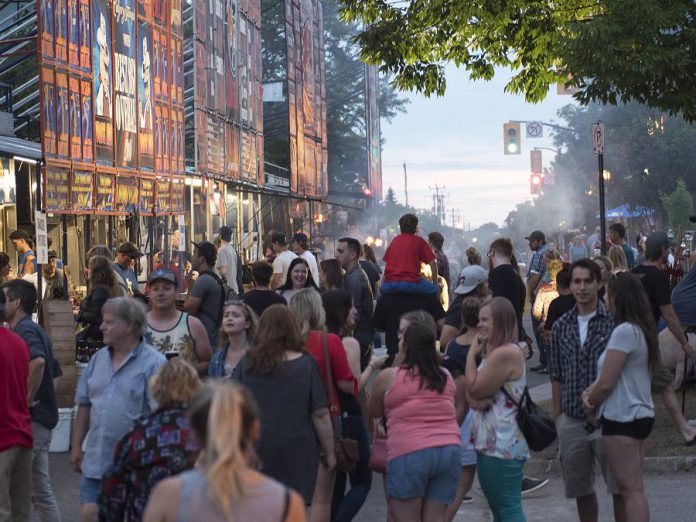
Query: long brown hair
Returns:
{"type": "Point", "coordinates": [630, 305]}
{"type": "Point", "coordinates": [504, 329]}
{"type": "Point", "coordinates": [333, 273]}
{"type": "Point", "coordinates": [223, 417]}
{"type": "Point", "coordinates": [102, 274]}
{"type": "Point", "coordinates": [278, 332]}
{"type": "Point", "coordinates": [421, 355]}
{"type": "Point", "coordinates": [249, 315]}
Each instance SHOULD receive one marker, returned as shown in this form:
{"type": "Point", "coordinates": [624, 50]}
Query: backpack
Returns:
{"type": "Point", "coordinates": [228, 294]}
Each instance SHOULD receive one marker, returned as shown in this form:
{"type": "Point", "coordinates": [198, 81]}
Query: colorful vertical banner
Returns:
{"type": "Point", "coordinates": [126, 194]}
{"type": "Point", "coordinates": [73, 33]}
{"type": "Point", "coordinates": [87, 121]}
{"type": "Point", "coordinates": [105, 193]}
{"type": "Point", "coordinates": [146, 133]}
{"type": "Point", "coordinates": [48, 111]}
{"type": "Point", "coordinates": [125, 84]}
{"type": "Point", "coordinates": [61, 10]}
{"type": "Point", "coordinates": [56, 188]}
{"type": "Point", "coordinates": [75, 120]}
{"type": "Point", "coordinates": [147, 195]}
{"type": "Point", "coordinates": [164, 196]}
{"type": "Point", "coordinates": [63, 114]}
{"type": "Point", "coordinates": [102, 74]}
{"type": "Point", "coordinates": [47, 26]}
{"type": "Point", "coordinates": [164, 64]}
{"type": "Point", "coordinates": [85, 36]}
{"type": "Point", "coordinates": [82, 191]}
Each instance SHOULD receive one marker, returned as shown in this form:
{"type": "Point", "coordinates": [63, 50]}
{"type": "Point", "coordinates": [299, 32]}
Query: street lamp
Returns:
{"type": "Point", "coordinates": [606, 175]}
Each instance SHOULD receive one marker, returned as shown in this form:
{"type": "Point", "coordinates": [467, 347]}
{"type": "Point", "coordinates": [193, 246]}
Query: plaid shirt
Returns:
{"type": "Point", "coordinates": [575, 366]}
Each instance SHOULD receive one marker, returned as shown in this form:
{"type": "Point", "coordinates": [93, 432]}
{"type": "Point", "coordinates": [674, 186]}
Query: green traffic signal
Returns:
{"type": "Point", "coordinates": [511, 136]}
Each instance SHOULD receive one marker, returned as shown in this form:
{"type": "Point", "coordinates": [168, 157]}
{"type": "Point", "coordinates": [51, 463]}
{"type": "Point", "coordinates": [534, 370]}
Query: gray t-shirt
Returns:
{"type": "Point", "coordinates": [630, 399]}
{"type": "Point", "coordinates": [208, 290]}
{"type": "Point", "coordinates": [227, 257]}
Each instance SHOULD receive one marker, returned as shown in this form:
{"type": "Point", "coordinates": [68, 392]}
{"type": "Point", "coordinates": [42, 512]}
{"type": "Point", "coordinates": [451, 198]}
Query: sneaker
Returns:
{"type": "Point", "coordinates": [467, 500]}
{"type": "Point", "coordinates": [529, 485]}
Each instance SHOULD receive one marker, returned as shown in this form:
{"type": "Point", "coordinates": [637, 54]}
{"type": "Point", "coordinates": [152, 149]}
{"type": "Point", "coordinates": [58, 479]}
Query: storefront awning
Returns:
{"type": "Point", "coordinates": [11, 146]}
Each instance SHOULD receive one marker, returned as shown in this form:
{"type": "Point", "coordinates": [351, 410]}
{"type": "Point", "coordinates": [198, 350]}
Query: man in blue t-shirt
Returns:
{"type": "Point", "coordinates": [126, 255]}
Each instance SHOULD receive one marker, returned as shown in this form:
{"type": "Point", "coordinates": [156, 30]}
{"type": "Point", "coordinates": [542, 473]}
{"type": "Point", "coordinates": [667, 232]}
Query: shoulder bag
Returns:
{"type": "Point", "coordinates": [536, 425]}
{"type": "Point", "coordinates": [347, 453]}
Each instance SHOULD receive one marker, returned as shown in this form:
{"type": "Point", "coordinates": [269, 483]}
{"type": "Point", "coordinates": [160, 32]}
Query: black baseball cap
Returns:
{"type": "Point", "coordinates": [52, 254]}
{"type": "Point", "coordinates": [206, 249]}
{"type": "Point", "coordinates": [656, 242]}
{"type": "Point", "coordinates": [163, 274]}
{"type": "Point", "coordinates": [130, 250]}
{"type": "Point", "coordinates": [537, 235]}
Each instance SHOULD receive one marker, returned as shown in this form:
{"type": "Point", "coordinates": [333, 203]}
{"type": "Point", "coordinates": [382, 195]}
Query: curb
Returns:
{"type": "Point", "coordinates": [652, 465]}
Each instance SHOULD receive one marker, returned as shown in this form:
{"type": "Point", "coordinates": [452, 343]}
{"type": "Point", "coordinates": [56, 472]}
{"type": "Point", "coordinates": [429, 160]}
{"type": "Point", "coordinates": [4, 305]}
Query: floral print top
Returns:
{"type": "Point", "coordinates": [177, 341]}
{"type": "Point", "coordinates": [159, 446]}
{"type": "Point", "coordinates": [495, 432]}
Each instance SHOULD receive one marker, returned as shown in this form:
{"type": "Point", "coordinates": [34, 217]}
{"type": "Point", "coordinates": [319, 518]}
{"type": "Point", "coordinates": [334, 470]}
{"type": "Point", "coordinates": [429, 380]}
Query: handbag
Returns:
{"type": "Point", "coordinates": [346, 450]}
{"type": "Point", "coordinates": [378, 456]}
{"type": "Point", "coordinates": [536, 425]}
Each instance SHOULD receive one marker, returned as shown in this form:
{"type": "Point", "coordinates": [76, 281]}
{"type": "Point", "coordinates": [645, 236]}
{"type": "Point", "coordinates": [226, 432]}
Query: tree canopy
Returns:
{"type": "Point", "coordinates": [611, 50]}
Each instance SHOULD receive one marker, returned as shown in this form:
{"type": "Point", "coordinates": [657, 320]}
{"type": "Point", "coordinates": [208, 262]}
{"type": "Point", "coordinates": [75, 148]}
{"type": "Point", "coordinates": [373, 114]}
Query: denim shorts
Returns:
{"type": "Point", "coordinates": [468, 450]}
{"type": "Point", "coordinates": [431, 473]}
{"type": "Point", "coordinates": [89, 490]}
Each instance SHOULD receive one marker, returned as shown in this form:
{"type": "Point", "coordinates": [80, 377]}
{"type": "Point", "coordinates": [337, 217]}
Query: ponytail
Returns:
{"type": "Point", "coordinates": [228, 440]}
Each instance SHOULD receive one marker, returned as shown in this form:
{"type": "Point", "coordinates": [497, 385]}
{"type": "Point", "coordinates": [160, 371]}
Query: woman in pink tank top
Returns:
{"type": "Point", "coordinates": [423, 439]}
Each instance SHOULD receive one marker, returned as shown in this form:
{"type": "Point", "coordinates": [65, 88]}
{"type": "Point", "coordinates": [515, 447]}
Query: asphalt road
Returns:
{"type": "Point", "coordinates": [670, 496]}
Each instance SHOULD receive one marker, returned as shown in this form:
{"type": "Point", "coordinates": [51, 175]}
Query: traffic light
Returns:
{"type": "Point", "coordinates": [535, 184]}
{"type": "Point", "coordinates": [512, 138]}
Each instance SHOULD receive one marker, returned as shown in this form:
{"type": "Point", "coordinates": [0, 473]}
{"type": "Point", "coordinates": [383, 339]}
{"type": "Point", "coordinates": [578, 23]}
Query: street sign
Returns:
{"type": "Point", "coordinates": [535, 129]}
{"type": "Point", "coordinates": [181, 224]}
{"type": "Point", "coordinates": [41, 237]}
{"type": "Point", "coordinates": [598, 137]}
{"type": "Point", "coordinates": [535, 156]}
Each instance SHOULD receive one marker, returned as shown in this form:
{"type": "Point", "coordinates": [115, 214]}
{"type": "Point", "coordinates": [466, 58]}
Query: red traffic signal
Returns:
{"type": "Point", "coordinates": [535, 184]}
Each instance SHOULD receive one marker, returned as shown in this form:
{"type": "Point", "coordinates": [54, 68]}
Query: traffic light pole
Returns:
{"type": "Point", "coordinates": [602, 205]}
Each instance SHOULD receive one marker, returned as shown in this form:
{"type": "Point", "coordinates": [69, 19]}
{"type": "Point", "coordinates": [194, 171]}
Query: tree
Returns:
{"type": "Point", "coordinates": [678, 205]}
{"type": "Point", "coordinates": [612, 50]}
{"type": "Point", "coordinates": [390, 197]}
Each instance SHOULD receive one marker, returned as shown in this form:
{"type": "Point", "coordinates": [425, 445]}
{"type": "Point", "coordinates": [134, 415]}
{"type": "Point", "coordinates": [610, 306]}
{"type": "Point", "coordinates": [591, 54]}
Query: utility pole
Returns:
{"type": "Point", "coordinates": [405, 185]}
{"type": "Point", "coordinates": [439, 203]}
{"type": "Point", "coordinates": [455, 217]}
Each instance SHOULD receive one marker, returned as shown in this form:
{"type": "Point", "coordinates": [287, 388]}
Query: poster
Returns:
{"type": "Point", "coordinates": [73, 34]}
{"type": "Point", "coordinates": [164, 64]}
{"type": "Point", "coordinates": [82, 191]}
{"type": "Point", "coordinates": [232, 159]}
{"type": "Point", "coordinates": [125, 83]}
{"type": "Point", "coordinates": [160, 12]}
{"type": "Point", "coordinates": [47, 29]}
{"type": "Point", "coordinates": [62, 114]}
{"type": "Point", "coordinates": [102, 74]}
{"type": "Point", "coordinates": [85, 34]}
{"type": "Point", "coordinates": [147, 195]}
{"type": "Point", "coordinates": [165, 142]}
{"type": "Point", "coordinates": [8, 192]}
{"type": "Point", "coordinates": [156, 63]}
{"type": "Point", "coordinates": [61, 11]}
{"type": "Point", "coordinates": [164, 196]}
{"type": "Point", "coordinates": [48, 111]}
{"type": "Point", "coordinates": [56, 188]}
{"type": "Point", "coordinates": [87, 122]}
{"type": "Point", "coordinates": [104, 193]}
{"type": "Point", "coordinates": [75, 107]}
{"type": "Point", "coordinates": [231, 56]}
{"type": "Point", "coordinates": [145, 9]}
{"type": "Point", "coordinates": [126, 194]}
{"type": "Point", "coordinates": [146, 133]}
{"type": "Point", "coordinates": [178, 198]}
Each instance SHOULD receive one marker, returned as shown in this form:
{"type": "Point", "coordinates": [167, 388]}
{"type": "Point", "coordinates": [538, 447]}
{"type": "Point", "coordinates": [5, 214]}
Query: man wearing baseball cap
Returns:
{"type": "Point", "coordinates": [171, 332]}
{"type": "Point", "coordinates": [300, 245]}
{"type": "Point", "coordinates": [226, 263]}
{"type": "Point", "coordinates": [656, 286]}
{"type": "Point", "coordinates": [473, 282]}
{"type": "Point", "coordinates": [206, 294]}
{"type": "Point", "coordinates": [281, 263]}
{"type": "Point", "coordinates": [536, 270]}
{"type": "Point", "coordinates": [126, 255]}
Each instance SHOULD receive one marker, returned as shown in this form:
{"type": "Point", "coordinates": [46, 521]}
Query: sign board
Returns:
{"type": "Point", "coordinates": [535, 156]}
{"type": "Point", "coordinates": [535, 129]}
{"type": "Point", "coordinates": [41, 237]}
{"type": "Point", "coordinates": [182, 233]}
{"type": "Point", "coordinates": [598, 137]}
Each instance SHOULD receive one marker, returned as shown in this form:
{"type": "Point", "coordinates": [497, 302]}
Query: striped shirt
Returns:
{"type": "Point", "coordinates": [117, 398]}
{"type": "Point", "coordinates": [575, 365]}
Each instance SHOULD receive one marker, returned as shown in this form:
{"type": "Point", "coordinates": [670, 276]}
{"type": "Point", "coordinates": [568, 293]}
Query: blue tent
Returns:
{"type": "Point", "coordinates": [624, 211]}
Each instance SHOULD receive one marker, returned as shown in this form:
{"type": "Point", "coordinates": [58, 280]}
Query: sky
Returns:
{"type": "Point", "coordinates": [456, 142]}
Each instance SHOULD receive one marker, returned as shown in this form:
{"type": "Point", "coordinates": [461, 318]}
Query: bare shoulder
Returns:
{"type": "Point", "coordinates": [163, 505]}
{"type": "Point", "coordinates": [508, 352]}
{"type": "Point", "coordinates": [350, 343]}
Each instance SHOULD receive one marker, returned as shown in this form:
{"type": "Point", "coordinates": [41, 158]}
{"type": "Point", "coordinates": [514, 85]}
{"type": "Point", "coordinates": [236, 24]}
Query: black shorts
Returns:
{"type": "Point", "coordinates": [636, 429]}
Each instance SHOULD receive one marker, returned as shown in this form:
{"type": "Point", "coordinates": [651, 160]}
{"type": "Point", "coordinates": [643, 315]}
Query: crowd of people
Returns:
{"type": "Point", "coordinates": [242, 402]}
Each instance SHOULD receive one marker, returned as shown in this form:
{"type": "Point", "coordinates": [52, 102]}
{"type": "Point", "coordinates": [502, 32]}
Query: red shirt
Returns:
{"type": "Point", "coordinates": [340, 369]}
{"type": "Point", "coordinates": [15, 421]}
{"type": "Point", "coordinates": [404, 256]}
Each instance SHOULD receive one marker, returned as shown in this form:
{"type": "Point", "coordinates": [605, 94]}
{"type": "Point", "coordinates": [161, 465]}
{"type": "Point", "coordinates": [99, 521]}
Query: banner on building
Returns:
{"type": "Point", "coordinates": [82, 191]}
{"type": "Point", "coordinates": [125, 82]}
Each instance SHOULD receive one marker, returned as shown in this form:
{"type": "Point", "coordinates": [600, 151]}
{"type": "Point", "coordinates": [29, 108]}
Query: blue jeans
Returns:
{"type": "Point", "coordinates": [501, 482]}
{"type": "Point", "coordinates": [406, 287]}
{"type": "Point", "coordinates": [540, 343]}
{"type": "Point", "coordinates": [345, 506]}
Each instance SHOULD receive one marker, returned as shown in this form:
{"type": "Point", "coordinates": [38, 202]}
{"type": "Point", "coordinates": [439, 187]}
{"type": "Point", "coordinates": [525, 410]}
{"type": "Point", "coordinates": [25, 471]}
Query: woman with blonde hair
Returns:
{"type": "Point", "coordinates": [495, 387]}
{"type": "Point", "coordinates": [236, 336]}
{"type": "Point", "coordinates": [309, 311]}
{"type": "Point", "coordinates": [157, 447]}
{"type": "Point", "coordinates": [606, 267]}
{"type": "Point", "coordinates": [101, 286]}
{"type": "Point", "coordinates": [288, 388]}
{"type": "Point", "coordinates": [617, 256]}
{"type": "Point", "coordinates": [225, 419]}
